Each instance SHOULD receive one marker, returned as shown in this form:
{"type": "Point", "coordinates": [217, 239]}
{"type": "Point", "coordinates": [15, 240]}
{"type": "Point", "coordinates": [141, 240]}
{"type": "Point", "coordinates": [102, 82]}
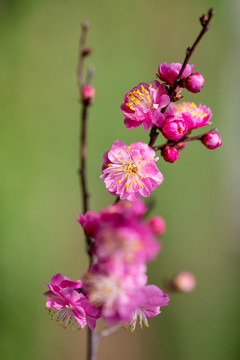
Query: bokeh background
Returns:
{"type": "Point", "coordinates": [40, 197]}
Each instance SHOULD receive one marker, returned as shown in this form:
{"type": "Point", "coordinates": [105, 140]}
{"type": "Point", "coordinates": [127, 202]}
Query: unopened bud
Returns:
{"type": "Point", "coordinates": [158, 225]}
{"type": "Point", "coordinates": [170, 154]}
{"type": "Point", "coordinates": [88, 94]}
{"type": "Point", "coordinates": [183, 282]}
{"type": "Point", "coordinates": [212, 140]}
{"type": "Point", "coordinates": [180, 145]}
{"type": "Point", "coordinates": [87, 52]}
{"type": "Point", "coordinates": [194, 83]}
{"type": "Point", "coordinates": [204, 19]}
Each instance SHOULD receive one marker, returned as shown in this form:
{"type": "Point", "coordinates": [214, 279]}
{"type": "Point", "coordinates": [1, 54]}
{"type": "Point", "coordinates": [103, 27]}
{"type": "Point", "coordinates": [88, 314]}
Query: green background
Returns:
{"type": "Point", "coordinates": [40, 197]}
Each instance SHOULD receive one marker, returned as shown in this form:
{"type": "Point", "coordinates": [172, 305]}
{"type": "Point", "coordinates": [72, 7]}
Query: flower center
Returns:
{"type": "Point", "coordinates": [139, 97]}
{"type": "Point", "coordinates": [64, 317]}
{"type": "Point", "coordinates": [189, 107]}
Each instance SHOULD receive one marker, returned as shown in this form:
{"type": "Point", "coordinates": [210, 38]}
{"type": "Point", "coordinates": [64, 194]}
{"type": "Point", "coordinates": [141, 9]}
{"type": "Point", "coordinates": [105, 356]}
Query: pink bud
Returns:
{"type": "Point", "coordinates": [174, 128]}
{"type": "Point", "coordinates": [88, 94]}
{"type": "Point", "coordinates": [212, 140]}
{"type": "Point", "coordinates": [194, 82]}
{"type": "Point", "coordinates": [170, 154]}
{"type": "Point", "coordinates": [158, 225]}
{"type": "Point", "coordinates": [180, 145]}
{"type": "Point", "coordinates": [184, 282]}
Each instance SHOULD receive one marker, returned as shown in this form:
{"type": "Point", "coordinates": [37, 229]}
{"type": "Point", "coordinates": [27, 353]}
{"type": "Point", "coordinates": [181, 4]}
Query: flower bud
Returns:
{"type": "Point", "coordinates": [88, 94]}
{"type": "Point", "coordinates": [174, 128]}
{"type": "Point", "coordinates": [180, 145]}
{"type": "Point", "coordinates": [184, 282]}
{"type": "Point", "coordinates": [170, 154]}
{"type": "Point", "coordinates": [194, 82]}
{"type": "Point", "coordinates": [158, 225]}
{"type": "Point", "coordinates": [212, 140]}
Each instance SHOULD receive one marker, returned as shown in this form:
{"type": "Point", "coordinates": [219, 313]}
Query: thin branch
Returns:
{"type": "Point", "coordinates": [82, 54]}
{"type": "Point", "coordinates": [205, 20]}
{"type": "Point", "coordinates": [91, 346]}
{"type": "Point", "coordinates": [183, 139]}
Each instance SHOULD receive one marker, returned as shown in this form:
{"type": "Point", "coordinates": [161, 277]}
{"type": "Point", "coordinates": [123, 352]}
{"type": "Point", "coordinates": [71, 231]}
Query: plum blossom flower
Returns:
{"type": "Point", "coordinates": [169, 72]}
{"type": "Point", "coordinates": [122, 234]}
{"type": "Point", "coordinates": [68, 304]}
{"type": "Point", "coordinates": [130, 171]}
{"type": "Point", "coordinates": [152, 299]}
{"type": "Point", "coordinates": [115, 289]}
{"type": "Point", "coordinates": [195, 115]}
{"type": "Point", "coordinates": [143, 104]}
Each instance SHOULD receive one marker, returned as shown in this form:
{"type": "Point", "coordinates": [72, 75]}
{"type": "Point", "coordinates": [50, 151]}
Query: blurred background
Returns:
{"type": "Point", "coordinates": [40, 196]}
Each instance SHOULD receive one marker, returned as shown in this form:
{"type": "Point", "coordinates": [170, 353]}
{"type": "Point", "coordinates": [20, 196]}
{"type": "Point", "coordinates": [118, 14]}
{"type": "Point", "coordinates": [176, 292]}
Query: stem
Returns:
{"type": "Point", "coordinates": [205, 19]}
{"type": "Point", "coordinates": [91, 341]}
{"type": "Point", "coordinates": [98, 336]}
{"type": "Point", "coordinates": [172, 143]}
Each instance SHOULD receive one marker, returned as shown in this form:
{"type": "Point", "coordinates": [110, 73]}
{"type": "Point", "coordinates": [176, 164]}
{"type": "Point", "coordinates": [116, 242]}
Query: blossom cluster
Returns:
{"type": "Point", "coordinates": [121, 242]}
{"type": "Point", "coordinates": [115, 285]}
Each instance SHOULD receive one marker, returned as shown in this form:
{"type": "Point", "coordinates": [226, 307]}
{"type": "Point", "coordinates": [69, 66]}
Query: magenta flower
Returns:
{"type": "Point", "coordinates": [68, 304]}
{"type": "Point", "coordinates": [152, 299]}
{"type": "Point", "coordinates": [169, 72]}
{"type": "Point", "coordinates": [174, 128]}
{"type": "Point", "coordinates": [115, 289]}
{"type": "Point", "coordinates": [125, 240]}
{"type": "Point", "coordinates": [130, 171]}
{"type": "Point", "coordinates": [143, 104]}
{"type": "Point", "coordinates": [195, 116]}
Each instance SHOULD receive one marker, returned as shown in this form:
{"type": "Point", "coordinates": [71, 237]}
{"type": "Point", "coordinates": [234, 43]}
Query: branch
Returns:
{"type": "Point", "coordinates": [183, 139]}
{"type": "Point", "coordinates": [205, 20]}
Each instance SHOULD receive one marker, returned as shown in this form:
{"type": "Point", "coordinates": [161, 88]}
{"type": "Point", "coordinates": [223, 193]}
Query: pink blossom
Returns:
{"type": "Point", "coordinates": [152, 299]}
{"type": "Point", "coordinates": [169, 72]}
{"type": "Point", "coordinates": [130, 210]}
{"type": "Point", "coordinates": [126, 240]}
{"type": "Point", "coordinates": [115, 289]}
{"type": "Point", "coordinates": [194, 83]}
{"type": "Point", "coordinates": [170, 154]}
{"type": "Point", "coordinates": [89, 222]}
{"type": "Point", "coordinates": [174, 128]}
{"type": "Point", "coordinates": [68, 304]}
{"type": "Point", "coordinates": [195, 115]}
{"type": "Point", "coordinates": [212, 140]}
{"type": "Point", "coordinates": [184, 282]}
{"type": "Point", "coordinates": [158, 225]}
{"type": "Point", "coordinates": [143, 104]}
{"type": "Point", "coordinates": [130, 171]}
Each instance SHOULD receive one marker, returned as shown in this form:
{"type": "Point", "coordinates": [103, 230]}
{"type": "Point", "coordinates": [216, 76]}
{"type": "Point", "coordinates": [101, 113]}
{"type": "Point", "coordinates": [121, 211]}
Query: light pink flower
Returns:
{"type": "Point", "coordinates": [183, 282]}
{"type": "Point", "coordinates": [212, 140]}
{"type": "Point", "coordinates": [115, 289]}
{"type": "Point", "coordinates": [174, 128]}
{"type": "Point", "coordinates": [68, 304]}
{"type": "Point", "coordinates": [169, 72]}
{"type": "Point", "coordinates": [130, 171]}
{"type": "Point", "coordinates": [143, 104]}
{"type": "Point", "coordinates": [152, 299]}
{"type": "Point", "coordinates": [195, 115]}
